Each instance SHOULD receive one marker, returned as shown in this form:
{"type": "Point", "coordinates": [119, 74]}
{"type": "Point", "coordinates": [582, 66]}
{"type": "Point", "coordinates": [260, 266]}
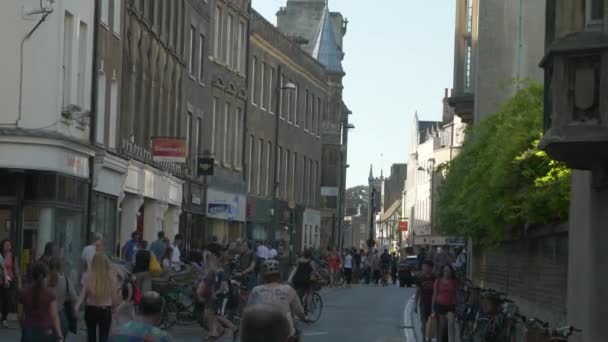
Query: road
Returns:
{"type": "Point", "coordinates": [357, 314]}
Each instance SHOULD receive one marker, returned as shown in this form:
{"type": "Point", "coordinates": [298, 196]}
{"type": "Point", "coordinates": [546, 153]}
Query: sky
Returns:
{"type": "Point", "coordinates": [399, 59]}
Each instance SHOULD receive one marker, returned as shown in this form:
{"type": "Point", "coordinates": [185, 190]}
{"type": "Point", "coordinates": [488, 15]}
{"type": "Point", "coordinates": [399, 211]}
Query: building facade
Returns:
{"type": "Point", "coordinates": [45, 149]}
{"type": "Point", "coordinates": [320, 32]}
{"type": "Point", "coordinates": [289, 95]}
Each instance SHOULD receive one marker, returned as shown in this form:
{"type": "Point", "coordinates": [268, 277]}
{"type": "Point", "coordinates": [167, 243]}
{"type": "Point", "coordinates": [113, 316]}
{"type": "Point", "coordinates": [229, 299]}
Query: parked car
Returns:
{"type": "Point", "coordinates": [407, 268]}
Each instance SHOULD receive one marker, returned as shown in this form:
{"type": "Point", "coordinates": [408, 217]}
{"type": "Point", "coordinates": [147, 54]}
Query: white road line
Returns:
{"type": "Point", "coordinates": [315, 334]}
{"type": "Point", "coordinates": [408, 327]}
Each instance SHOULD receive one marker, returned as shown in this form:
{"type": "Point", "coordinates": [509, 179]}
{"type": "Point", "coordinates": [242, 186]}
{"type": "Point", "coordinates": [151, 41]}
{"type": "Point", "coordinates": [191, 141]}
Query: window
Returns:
{"type": "Point", "coordinates": [238, 133]}
{"type": "Point", "coordinates": [250, 164]}
{"type": "Point", "coordinates": [201, 58]}
{"type": "Point", "coordinates": [227, 134]}
{"type": "Point", "coordinates": [101, 107]}
{"type": "Point", "coordinates": [286, 174]}
{"type": "Point", "coordinates": [218, 33]}
{"type": "Point", "coordinates": [310, 185]}
{"type": "Point", "coordinates": [306, 110]}
{"type": "Point", "coordinates": [254, 66]}
{"type": "Point", "coordinates": [214, 125]}
{"type": "Point", "coordinates": [168, 19]}
{"type": "Point", "coordinates": [469, 16]}
{"type": "Point", "coordinates": [259, 160]}
{"type": "Point", "coordinates": [104, 11]}
{"type": "Point", "coordinates": [316, 184]}
{"type": "Point", "coordinates": [311, 108]}
{"type": "Point", "coordinates": [312, 115]}
{"type": "Point", "coordinates": [262, 74]}
{"type": "Point", "coordinates": [467, 66]}
{"type": "Point", "coordinates": [188, 135]}
{"type": "Point", "coordinates": [242, 48]}
{"type": "Point", "coordinates": [268, 154]}
{"type": "Point", "coordinates": [113, 113]}
{"type": "Point", "coordinates": [270, 90]}
{"type": "Point", "coordinates": [192, 55]}
{"type": "Point", "coordinates": [288, 103]}
{"type": "Point", "coordinates": [317, 128]}
{"type": "Point", "coordinates": [293, 175]}
{"type": "Point", "coordinates": [228, 40]}
{"type": "Point", "coordinates": [295, 105]}
{"type": "Point", "coordinates": [304, 180]}
{"type": "Point", "coordinates": [197, 139]}
{"type": "Point", "coordinates": [82, 64]}
{"type": "Point", "coordinates": [117, 16]}
{"type": "Point", "coordinates": [278, 170]}
{"type": "Point", "coordinates": [597, 10]}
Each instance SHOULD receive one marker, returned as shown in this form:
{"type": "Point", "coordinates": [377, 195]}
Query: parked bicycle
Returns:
{"type": "Point", "coordinates": [180, 306]}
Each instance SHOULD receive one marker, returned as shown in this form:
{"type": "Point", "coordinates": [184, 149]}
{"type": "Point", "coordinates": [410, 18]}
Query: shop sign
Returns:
{"type": "Point", "coordinates": [172, 150]}
{"type": "Point", "coordinates": [206, 166]}
{"type": "Point", "coordinates": [226, 206]}
{"type": "Point", "coordinates": [403, 226]}
{"type": "Point", "coordinates": [196, 199]}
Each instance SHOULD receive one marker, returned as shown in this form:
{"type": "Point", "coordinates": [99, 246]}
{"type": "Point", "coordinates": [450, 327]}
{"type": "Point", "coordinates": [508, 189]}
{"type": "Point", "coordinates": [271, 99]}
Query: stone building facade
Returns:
{"type": "Point", "coordinates": [290, 171]}
{"type": "Point", "coordinates": [321, 33]}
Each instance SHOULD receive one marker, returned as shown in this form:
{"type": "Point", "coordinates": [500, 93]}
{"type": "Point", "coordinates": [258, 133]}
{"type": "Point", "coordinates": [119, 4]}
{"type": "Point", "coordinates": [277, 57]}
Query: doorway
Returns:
{"type": "Point", "coordinates": [7, 223]}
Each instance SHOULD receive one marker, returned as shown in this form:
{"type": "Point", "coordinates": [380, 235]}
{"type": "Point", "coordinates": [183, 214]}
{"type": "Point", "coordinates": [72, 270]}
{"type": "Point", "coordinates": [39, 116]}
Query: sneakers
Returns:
{"type": "Point", "coordinates": [5, 324]}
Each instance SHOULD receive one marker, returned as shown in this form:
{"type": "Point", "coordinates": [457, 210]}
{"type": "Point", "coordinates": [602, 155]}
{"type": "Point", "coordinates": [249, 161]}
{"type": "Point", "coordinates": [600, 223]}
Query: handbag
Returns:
{"type": "Point", "coordinates": [68, 308]}
{"type": "Point", "coordinates": [154, 266]}
{"type": "Point", "coordinates": [431, 327]}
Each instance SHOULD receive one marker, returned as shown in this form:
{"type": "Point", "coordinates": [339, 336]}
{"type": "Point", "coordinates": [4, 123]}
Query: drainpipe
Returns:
{"type": "Point", "coordinates": [519, 45]}
{"type": "Point", "coordinates": [93, 117]}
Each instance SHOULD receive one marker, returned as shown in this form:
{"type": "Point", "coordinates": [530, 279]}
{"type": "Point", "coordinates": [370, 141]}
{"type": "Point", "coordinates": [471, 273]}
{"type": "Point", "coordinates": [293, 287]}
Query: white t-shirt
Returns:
{"type": "Point", "coordinates": [87, 255]}
{"type": "Point", "coordinates": [348, 261]}
{"type": "Point", "coordinates": [262, 252]}
{"type": "Point", "coordinates": [175, 258]}
{"type": "Point", "coordinates": [273, 253]}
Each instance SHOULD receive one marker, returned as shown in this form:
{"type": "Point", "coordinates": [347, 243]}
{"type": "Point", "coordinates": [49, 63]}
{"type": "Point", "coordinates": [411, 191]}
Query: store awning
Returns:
{"type": "Point", "coordinates": [390, 212]}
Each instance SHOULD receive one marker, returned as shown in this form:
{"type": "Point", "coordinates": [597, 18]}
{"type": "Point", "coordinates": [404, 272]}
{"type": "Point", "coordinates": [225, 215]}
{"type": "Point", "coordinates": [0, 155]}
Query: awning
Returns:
{"type": "Point", "coordinates": [390, 212]}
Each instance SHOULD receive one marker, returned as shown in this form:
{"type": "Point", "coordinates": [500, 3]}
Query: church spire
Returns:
{"type": "Point", "coordinates": [371, 172]}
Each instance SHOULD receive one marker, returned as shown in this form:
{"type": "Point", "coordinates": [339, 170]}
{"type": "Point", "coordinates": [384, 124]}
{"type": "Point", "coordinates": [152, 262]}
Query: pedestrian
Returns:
{"type": "Point", "coordinates": [444, 302]}
{"type": "Point", "coordinates": [12, 279]}
{"type": "Point", "coordinates": [460, 265]}
{"type": "Point", "coordinates": [262, 251]}
{"type": "Point", "coordinates": [64, 292]}
{"type": "Point", "coordinates": [144, 327]}
{"type": "Point", "coordinates": [159, 246]}
{"type": "Point", "coordinates": [394, 266]}
{"type": "Point", "coordinates": [51, 250]}
{"type": "Point", "coordinates": [131, 246]}
{"type": "Point", "coordinates": [301, 279]}
{"type": "Point", "coordinates": [365, 267]}
{"type": "Point", "coordinates": [424, 294]}
{"type": "Point", "coordinates": [385, 264]}
{"type": "Point", "coordinates": [166, 258]}
{"type": "Point", "coordinates": [39, 313]}
{"type": "Point", "coordinates": [176, 253]}
{"type": "Point", "coordinates": [246, 265]}
{"type": "Point", "coordinates": [273, 252]}
{"type": "Point", "coordinates": [333, 261]}
{"type": "Point", "coordinates": [357, 266]}
{"type": "Point", "coordinates": [141, 271]}
{"type": "Point", "coordinates": [376, 267]}
{"type": "Point", "coordinates": [264, 323]}
{"type": "Point", "coordinates": [421, 257]}
{"type": "Point", "coordinates": [348, 267]}
{"type": "Point", "coordinates": [88, 252]}
{"type": "Point", "coordinates": [213, 293]}
{"type": "Point", "coordinates": [99, 293]}
{"type": "Point", "coordinates": [281, 296]}
{"type": "Point", "coordinates": [441, 259]}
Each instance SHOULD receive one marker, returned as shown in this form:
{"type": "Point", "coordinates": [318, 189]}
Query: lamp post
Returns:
{"type": "Point", "coordinates": [277, 113]}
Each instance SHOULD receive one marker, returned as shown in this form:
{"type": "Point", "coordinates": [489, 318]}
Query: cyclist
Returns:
{"type": "Point", "coordinates": [274, 293]}
{"type": "Point", "coordinates": [301, 279]}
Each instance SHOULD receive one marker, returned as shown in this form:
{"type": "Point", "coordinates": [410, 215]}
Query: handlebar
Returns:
{"type": "Point", "coordinates": [566, 331]}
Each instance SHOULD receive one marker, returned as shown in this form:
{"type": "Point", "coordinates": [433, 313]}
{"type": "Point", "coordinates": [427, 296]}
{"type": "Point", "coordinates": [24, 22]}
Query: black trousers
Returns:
{"type": "Point", "coordinates": [7, 295]}
{"type": "Point", "coordinates": [98, 317]}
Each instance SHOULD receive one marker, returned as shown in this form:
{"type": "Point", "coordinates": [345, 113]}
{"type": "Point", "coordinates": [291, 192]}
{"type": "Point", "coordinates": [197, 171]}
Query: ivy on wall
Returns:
{"type": "Point", "coordinates": [501, 180]}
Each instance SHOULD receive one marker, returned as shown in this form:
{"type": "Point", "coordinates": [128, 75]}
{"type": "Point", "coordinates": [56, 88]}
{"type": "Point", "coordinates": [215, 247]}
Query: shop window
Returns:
{"type": "Point", "coordinates": [8, 188]}
{"type": "Point", "coordinates": [40, 187]}
{"type": "Point", "coordinates": [104, 219]}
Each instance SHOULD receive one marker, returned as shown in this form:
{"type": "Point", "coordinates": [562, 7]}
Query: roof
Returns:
{"type": "Point", "coordinates": [390, 212]}
{"type": "Point", "coordinates": [325, 47]}
{"type": "Point", "coordinates": [424, 127]}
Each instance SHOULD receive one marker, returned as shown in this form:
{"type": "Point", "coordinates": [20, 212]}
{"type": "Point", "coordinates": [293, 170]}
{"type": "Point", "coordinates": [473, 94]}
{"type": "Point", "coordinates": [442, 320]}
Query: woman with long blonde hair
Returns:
{"type": "Point", "coordinates": [99, 293]}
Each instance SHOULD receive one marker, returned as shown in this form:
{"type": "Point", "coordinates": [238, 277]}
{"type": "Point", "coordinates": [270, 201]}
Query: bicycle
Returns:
{"type": "Point", "coordinates": [180, 306]}
{"type": "Point", "coordinates": [313, 306]}
{"type": "Point", "coordinates": [539, 331]}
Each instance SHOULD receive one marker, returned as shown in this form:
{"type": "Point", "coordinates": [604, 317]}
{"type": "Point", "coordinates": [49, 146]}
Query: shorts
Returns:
{"type": "Point", "coordinates": [425, 311]}
{"type": "Point", "coordinates": [444, 309]}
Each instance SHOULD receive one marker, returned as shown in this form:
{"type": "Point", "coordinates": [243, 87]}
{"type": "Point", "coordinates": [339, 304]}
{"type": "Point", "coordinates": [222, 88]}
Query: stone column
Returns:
{"type": "Point", "coordinates": [171, 221]}
{"type": "Point", "coordinates": [128, 218]}
{"type": "Point", "coordinates": [588, 260]}
{"type": "Point", "coordinates": [154, 213]}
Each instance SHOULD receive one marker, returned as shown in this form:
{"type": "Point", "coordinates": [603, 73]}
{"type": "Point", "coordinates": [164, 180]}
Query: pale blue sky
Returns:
{"type": "Point", "coordinates": [399, 58]}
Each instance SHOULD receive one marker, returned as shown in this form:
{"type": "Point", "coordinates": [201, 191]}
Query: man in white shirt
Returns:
{"type": "Point", "coordinates": [176, 254]}
{"type": "Point", "coordinates": [262, 252]}
{"type": "Point", "coordinates": [96, 245]}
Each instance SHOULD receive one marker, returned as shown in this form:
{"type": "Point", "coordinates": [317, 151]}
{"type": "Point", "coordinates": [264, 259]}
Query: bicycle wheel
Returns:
{"type": "Point", "coordinates": [169, 316]}
{"type": "Point", "coordinates": [313, 307]}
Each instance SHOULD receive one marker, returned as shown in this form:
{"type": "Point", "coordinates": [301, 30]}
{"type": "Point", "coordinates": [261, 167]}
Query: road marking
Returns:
{"type": "Point", "coordinates": [315, 334]}
{"type": "Point", "coordinates": [408, 326]}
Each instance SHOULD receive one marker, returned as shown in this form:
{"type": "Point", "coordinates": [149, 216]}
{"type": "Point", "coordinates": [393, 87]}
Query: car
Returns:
{"type": "Point", "coordinates": [406, 271]}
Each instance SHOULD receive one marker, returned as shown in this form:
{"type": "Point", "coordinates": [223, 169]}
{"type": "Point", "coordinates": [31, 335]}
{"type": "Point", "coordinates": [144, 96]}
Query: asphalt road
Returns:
{"type": "Point", "coordinates": [357, 314]}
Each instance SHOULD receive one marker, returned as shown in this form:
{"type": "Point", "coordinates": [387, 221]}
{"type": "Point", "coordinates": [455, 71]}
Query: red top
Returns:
{"type": "Point", "coordinates": [333, 260]}
{"type": "Point", "coordinates": [38, 315]}
{"type": "Point", "coordinates": [445, 291]}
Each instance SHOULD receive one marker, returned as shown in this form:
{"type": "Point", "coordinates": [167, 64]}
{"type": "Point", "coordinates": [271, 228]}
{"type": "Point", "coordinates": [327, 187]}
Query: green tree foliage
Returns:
{"type": "Point", "coordinates": [501, 180]}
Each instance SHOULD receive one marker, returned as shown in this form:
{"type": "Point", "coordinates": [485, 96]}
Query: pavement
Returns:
{"type": "Point", "coordinates": [358, 314]}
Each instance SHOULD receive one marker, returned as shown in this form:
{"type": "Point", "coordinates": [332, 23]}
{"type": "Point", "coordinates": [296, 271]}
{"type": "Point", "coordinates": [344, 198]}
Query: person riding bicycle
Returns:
{"type": "Point", "coordinates": [301, 279]}
{"type": "Point", "coordinates": [246, 265]}
{"type": "Point", "coordinates": [274, 293]}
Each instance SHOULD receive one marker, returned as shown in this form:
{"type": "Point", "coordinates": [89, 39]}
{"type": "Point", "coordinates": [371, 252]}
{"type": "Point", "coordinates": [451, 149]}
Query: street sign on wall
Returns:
{"type": "Point", "coordinates": [205, 166]}
{"type": "Point", "coordinates": [172, 150]}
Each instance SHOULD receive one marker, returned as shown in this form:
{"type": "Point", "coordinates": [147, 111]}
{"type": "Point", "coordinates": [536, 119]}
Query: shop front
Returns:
{"type": "Point", "coordinates": [192, 220]}
{"type": "Point", "coordinates": [43, 197]}
{"type": "Point", "coordinates": [151, 202]}
{"type": "Point", "coordinates": [310, 234]}
{"type": "Point", "coordinates": [259, 219]}
{"type": "Point", "coordinates": [226, 214]}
